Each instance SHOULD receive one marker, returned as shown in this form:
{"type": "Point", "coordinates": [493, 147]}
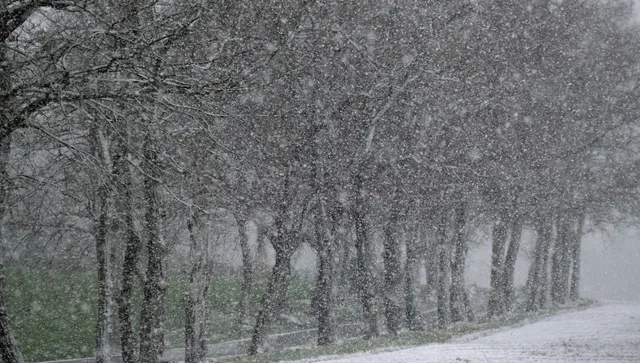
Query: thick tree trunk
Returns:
{"type": "Point", "coordinates": [363, 260]}
{"type": "Point", "coordinates": [247, 272]}
{"type": "Point", "coordinates": [128, 338]}
{"type": "Point", "coordinates": [561, 267]}
{"type": "Point", "coordinates": [531, 284]}
{"type": "Point", "coordinates": [574, 289]}
{"type": "Point", "coordinates": [532, 287]}
{"type": "Point", "coordinates": [468, 308]}
{"type": "Point", "coordinates": [443, 293]}
{"type": "Point", "coordinates": [100, 149]}
{"type": "Point", "coordinates": [411, 284]}
{"type": "Point", "coordinates": [9, 350]}
{"type": "Point", "coordinates": [458, 306]}
{"type": "Point", "coordinates": [195, 349]}
{"type": "Point", "coordinates": [195, 307]}
{"type": "Point", "coordinates": [393, 292]}
{"type": "Point", "coordinates": [275, 291]}
{"type": "Point", "coordinates": [326, 233]}
{"type": "Point", "coordinates": [151, 330]}
{"type": "Point", "coordinates": [261, 250]}
{"type": "Point", "coordinates": [496, 296]}
{"type": "Point", "coordinates": [105, 286]}
{"type": "Point", "coordinates": [132, 246]}
{"type": "Point", "coordinates": [539, 278]}
{"type": "Point", "coordinates": [325, 289]}
{"type": "Point", "coordinates": [345, 284]}
{"type": "Point", "coordinates": [544, 272]}
{"type": "Point", "coordinates": [510, 264]}
{"type": "Point", "coordinates": [431, 270]}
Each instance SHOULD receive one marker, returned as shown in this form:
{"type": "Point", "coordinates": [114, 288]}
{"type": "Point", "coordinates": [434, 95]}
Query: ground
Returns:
{"type": "Point", "coordinates": [609, 332]}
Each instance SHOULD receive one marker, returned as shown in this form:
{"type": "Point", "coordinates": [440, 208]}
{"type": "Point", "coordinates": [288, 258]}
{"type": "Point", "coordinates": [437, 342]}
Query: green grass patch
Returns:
{"type": "Point", "coordinates": [53, 312]}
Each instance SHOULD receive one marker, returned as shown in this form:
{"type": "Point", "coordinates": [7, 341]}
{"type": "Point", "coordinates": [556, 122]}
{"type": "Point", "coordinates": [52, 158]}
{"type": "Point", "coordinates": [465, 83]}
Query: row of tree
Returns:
{"type": "Point", "coordinates": [137, 123]}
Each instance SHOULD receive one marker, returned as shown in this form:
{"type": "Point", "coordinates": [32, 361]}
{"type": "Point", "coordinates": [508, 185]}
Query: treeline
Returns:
{"type": "Point", "coordinates": [136, 124]}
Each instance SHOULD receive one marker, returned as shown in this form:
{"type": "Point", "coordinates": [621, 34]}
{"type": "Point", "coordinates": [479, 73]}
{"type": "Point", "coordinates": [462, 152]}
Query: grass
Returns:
{"type": "Point", "coordinates": [53, 312]}
{"type": "Point", "coordinates": [405, 339]}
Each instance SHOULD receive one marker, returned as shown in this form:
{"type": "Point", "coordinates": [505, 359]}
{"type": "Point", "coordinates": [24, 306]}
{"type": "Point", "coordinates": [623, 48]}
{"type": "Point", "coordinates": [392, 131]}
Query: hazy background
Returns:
{"type": "Point", "coordinates": [610, 262]}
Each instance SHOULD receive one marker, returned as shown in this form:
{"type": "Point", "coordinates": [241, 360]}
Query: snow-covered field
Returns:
{"type": "Point", "coordinates": [606, 333]}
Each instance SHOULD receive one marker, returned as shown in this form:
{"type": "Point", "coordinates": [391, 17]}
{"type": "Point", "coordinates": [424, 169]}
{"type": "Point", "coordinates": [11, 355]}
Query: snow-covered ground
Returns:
{"type": "Point", "coordinates": [606, 333]}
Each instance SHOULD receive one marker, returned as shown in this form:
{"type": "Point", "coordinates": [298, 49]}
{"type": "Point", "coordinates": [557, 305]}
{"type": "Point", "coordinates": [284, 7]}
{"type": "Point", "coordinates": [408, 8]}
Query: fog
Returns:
{"type": "Point", "coordinates": [610, 265]}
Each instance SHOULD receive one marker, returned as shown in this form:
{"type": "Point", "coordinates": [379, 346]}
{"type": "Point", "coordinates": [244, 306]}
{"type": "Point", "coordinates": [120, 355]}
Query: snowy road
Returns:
{"type": "Point", "coordinates": [607, 333]}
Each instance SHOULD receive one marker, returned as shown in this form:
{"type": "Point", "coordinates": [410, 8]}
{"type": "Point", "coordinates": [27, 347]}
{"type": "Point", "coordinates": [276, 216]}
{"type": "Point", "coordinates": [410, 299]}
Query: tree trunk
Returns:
{"type": "Point", "coordinates": [103, 329]}
{"type": "Point", "coordinates": [261, 250]}
{"type": "Point", "coordinates": [458, 306]}
{"type": "Point", "coordinates": [9, 350]}
{"type": "Point", "coordinates": [545, 277]}
{"type": "Point", "coordinates": [247, 272]}
{"type": "Point", "coordinates": [443, 294]}
{"type": "Point", "coordinates": [393, 292]}
{"type": "Point", "coordinates": [496, 296]}
{"type": "Point", "coordinates": [128, 339]}
{"type": "Point", "coordinates": [574, 293]}
{"type": "Point", "coordinates": [539, 278]}
{"type": "Point", "coordinates": [275, 290]}
{"type": "Point", "coordinates": [195, 308]}
{"type": "Point", "coordinates": [363, 260]}
{"type": "Point", "coordinates": [151, 330]}
{"type": "Point", "coordinates": [132, 246]}
{"type": "Point", "coordinates": [431, 270]}
{"type": "Point", "coordinates": [468, 308]}
{"type": "Point", "coordinates": [561, 262]}
{"type": "Point", "coordinates": [326, 233]}
{"type": "Point", "coordinates": [510, 264]}
{"type": "Point", "coordinates": [100, 150]}
{"type": "Point", "coordinates": [411, 285]}
{"type": "Point", "coordinates": [345, 284]}
{"type": "Point", "coordinates": [325, 289]}
{"type": "Point", "coordinates": [531, 286]}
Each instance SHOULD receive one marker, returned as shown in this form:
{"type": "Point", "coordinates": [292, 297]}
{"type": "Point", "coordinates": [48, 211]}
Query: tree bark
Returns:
{"type": "Point", "coordinates": [545, 277]}
{"type": "Point", "coordinates": [247, 271]}
{"type": "Point", "coordinates": [195, 308]}
{"type": "Point", "coordinates": [431, 269]}
{"type": "Point", "coordinates": [363, 260]}
{"type": "Point", "coordinates": [151, 330]}
{"type": "Point", "coordinates": [510, 264]}
{"type": "Point", "coordinates": [393, 292]}
{"type": "Point", "coordinates": [9, 350]}
{"type": "Point", "coordinates": [261, 250]}
{"type": "Point", "coordinates": [496, 296]}
{"type": "Point", "coordinates": [574, 293]}
{"type": "Point", "coordinates": [539, 278]}
{"type": "Point", "coordinates": [531, 284]}
{"type": "Point", "coordinates": [443, 293]}
{"type": "Point", "coordinates": [132, 247]}
{"type": "Point", "coordinates": [458, 306]}
{"type": "Point", "coordinates": [411, 285]}
{"type": "Point", "coordinates": [326, 231]}
{"type": "Point", "coordinates": [561, 262]}
{"type": "Point", "coordinates": [103, 249]}
{"type": "Point", "coordinates": [275, 290]}
{"type": "Point", "coordinates": [325, 287]}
